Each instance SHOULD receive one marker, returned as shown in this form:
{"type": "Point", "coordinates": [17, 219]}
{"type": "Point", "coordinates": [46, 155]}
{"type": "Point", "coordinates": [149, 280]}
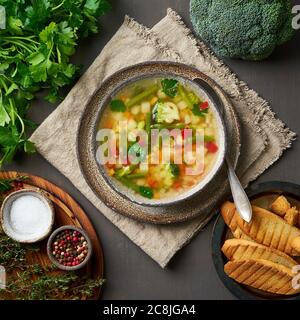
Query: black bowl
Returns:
{"type": "Point", "coordinates": [260, 194]}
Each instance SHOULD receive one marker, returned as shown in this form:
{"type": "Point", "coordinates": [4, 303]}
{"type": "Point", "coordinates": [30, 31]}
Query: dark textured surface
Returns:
{"type": "Point", "coordinates": [130, 273]}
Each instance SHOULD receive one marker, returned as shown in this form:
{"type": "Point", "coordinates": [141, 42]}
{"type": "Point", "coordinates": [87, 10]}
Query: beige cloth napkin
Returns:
{"type": "Point", "coordinates": [263, 137]}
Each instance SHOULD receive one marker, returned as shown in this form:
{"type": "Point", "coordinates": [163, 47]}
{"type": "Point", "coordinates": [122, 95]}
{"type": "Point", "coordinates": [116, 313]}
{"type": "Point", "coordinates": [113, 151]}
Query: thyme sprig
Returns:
{"type": "Point", "coordinates": [35, 282]}
{"type": "Point", "coordinates": [7, 184]}
{"type": "Point", "coordinates": [26, 281]}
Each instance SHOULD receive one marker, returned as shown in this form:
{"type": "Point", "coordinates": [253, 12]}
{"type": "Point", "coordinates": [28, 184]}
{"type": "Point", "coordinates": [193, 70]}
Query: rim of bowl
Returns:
{"type": "Point", "coordinates": [87, 238]}
{"type": "Point", "coordinates": [218, 107]}
{"type": "Point", "coordinates": [41, 195]}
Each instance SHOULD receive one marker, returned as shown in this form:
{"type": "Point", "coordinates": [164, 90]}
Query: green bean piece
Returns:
{"type": "Point", "coordinates": [137, 175]}
{"type": "Point", "coordinates": [143, 191]}
{"type": "Point", "coordinates": [169, 126]}
{"type": "Point", "coordinates": [185, 97]}
{"type": "Point", "coordinates": [141, 96]}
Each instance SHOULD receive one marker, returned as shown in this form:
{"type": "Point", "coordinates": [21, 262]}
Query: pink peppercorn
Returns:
{"type": "Point", "coordinates": [69, 248]}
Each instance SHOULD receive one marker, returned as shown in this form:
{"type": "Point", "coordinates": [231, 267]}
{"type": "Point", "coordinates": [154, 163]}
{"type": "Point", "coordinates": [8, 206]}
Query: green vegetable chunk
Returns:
{"type": "Point", "coordinates": [141, 96]}
{"type": "Point", "coordinates": [174, 169]}
{"type": "Point", "coordinates": [142, 190]}
{"type": "Point", "coordinates": [170, 87]}
{"type": "Point", "coordinates": [198, 112]}
{"type": "Point", "coordinates": [146, 192]}
{"type": "Point", "coordinates": [117, 106]}
{"type": "Point", "coordinates": [209, 138]}
{"type": "Point", "coordinates": [169, 126]}
{"type": "Point", "coordinates": [249, 30]}
{"type": "Point", "coordinates": [124, 171]}
{"type": "Point", "coordinates": [137, 175]}
{"type": "Point", "coordinates": [184, 95]}
{"type": "Point", "coordinates": [165, 112]}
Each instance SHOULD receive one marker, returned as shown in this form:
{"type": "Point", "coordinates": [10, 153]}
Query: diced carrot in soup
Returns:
{"type": "Point", "coordinates": [160, 104]}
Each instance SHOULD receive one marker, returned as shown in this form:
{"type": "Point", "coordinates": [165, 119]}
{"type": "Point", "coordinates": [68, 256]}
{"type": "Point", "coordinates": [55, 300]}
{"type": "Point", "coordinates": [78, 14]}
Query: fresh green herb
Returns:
{"type": "Point", "coordinates": [170, 87]}
{"type": "Point", "coordinates": [175, 170]}
{"type": "Point", "coordinates": [7, 184]}
{"type": "Point", "coordinates": [35, 50]}
{"type": "Point", "coordinates": [198, 112]}
{"type": "Point", "coordinates": [12, 253]}
{"type": "Point", "coordinates": [117, 106]}
{"type": "Point", "coordinates": [34, 282]}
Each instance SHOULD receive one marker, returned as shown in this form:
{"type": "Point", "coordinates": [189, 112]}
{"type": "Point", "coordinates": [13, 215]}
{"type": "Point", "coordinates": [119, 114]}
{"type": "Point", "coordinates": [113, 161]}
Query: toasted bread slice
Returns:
{"type": "Point", "coordinates": [291, 216]}
{"type": "Point", "coordinates": [228, 214]}
{"type": "Point", "coordinates": [269, 229]}
{"type": "Point", "coordinates": [239, 249]}
{"type": "Point", "coordinates": [280, 206]}
{"type": "Point", "coordinates": [262, 274]}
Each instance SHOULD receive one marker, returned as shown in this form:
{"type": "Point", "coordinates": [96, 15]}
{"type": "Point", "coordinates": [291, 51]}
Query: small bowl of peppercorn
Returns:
{"type": "Point", "coordinates": [69, 248]}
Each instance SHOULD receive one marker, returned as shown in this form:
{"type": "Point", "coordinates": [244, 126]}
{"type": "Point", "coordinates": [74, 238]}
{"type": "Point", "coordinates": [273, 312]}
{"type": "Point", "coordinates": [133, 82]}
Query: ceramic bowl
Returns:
{"type": "Point", "coordinates": [261, 195]}
{"type": "Point", "coordinates": [55, 262]}
{"type": "Point", "coordinates": [203, 88]}
{"type": "Point", "coordinates": [13, 230]}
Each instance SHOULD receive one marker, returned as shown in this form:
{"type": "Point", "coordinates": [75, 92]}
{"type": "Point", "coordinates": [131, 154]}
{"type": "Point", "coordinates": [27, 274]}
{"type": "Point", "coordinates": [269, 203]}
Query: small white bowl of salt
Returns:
{"type": "Point", "coordinates": [27, 216]}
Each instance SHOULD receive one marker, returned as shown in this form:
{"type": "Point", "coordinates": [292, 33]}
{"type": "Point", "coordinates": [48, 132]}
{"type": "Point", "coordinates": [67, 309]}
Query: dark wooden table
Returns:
{"type": "Point", "coordinates": [130, 273]}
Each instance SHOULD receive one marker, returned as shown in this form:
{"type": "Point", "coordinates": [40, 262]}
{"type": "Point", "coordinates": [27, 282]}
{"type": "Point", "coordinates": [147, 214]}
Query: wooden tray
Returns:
{"type": "Point", "coordinates": [261, 195]}
{"type": "Point", "coordinates": [67, 212]}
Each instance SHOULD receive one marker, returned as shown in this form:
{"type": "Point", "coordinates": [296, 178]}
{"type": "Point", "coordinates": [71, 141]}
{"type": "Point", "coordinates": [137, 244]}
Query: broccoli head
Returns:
{"type": "Point", "coordinates": [248, 30]}
{"type": "Point", "coordinates": [165, 112]}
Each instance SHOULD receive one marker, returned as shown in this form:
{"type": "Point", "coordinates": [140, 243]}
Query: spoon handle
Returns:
{"type": "Point", "coordinates": [239, 195]}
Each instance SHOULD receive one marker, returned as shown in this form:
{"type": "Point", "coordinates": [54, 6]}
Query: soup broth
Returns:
{"type": "Point", "coordinates": [162, 104]}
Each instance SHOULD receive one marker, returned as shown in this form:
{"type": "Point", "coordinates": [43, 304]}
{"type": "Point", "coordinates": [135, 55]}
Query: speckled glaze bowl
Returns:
{"type": "Point", "coordinates": [18, 235]}
{"type": "Point", "coordinates": [119, 197]}
{"type": "Point", "coordinates": [69, 268]}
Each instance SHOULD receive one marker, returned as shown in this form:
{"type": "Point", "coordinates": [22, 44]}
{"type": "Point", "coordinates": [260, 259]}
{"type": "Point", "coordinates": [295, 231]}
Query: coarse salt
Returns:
{"type": "Point", "coordinates": [30, 215]}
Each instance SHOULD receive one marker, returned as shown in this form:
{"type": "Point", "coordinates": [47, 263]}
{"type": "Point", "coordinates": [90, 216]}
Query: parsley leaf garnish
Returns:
{"type": "Point", "coordinates": [170, 87]}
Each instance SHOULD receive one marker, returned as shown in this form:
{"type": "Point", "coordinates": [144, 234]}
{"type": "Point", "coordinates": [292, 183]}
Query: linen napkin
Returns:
{"type": "Point", "coordinates": [264, 137]}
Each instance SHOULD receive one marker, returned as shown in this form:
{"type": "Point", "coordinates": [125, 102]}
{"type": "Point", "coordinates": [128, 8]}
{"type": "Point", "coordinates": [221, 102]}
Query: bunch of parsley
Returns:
{"type": "Point", "coordinates": [35, 50]}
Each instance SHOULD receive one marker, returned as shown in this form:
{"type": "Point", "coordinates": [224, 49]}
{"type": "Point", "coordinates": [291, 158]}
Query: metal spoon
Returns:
{"type": "Point", "coordinates": [239, 195]}
{"type": "Point", "coordinates": [240, 198]}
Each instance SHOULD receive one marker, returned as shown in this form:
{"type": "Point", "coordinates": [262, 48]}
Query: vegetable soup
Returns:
{"type": "Point", "coordinates": [158, 103]}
